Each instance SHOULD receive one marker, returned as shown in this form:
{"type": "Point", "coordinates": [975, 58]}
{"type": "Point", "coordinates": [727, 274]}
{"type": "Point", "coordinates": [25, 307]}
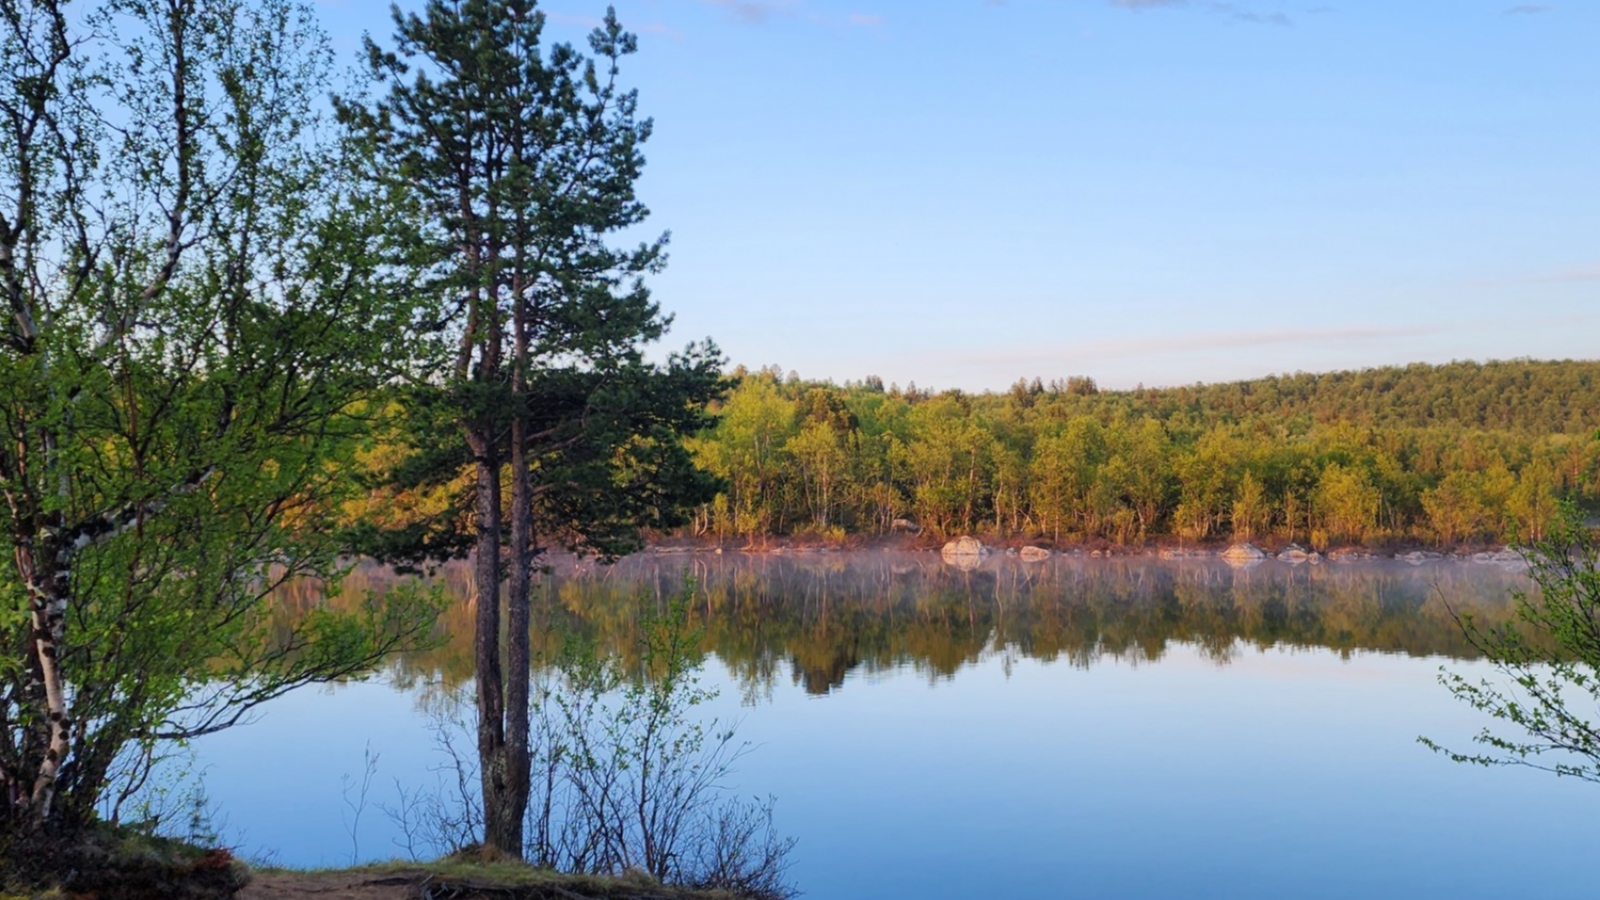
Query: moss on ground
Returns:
{"type": "Point", "coordinates": [108, 864]}
{"type": "Point", "coordinates": [465, 879]}
{"type": "Point", "coordinates": [118, 864]}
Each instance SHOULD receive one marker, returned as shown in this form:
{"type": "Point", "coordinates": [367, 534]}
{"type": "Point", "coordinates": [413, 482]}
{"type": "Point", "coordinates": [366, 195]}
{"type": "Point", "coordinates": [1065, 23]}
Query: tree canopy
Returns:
{"type": "Point", "coordinates": [1442, 454]}
{"type": "Point", "coordinates": [191, 335]}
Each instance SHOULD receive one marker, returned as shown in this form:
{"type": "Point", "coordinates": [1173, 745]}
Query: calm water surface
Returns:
{"type": "Point", "coordinates": [1082, 727]}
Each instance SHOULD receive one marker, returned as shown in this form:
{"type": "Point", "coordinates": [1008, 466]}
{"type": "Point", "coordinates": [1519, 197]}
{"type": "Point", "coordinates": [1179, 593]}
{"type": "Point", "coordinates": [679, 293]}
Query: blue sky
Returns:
{"type": "Point", "coordinates": [963, 193]}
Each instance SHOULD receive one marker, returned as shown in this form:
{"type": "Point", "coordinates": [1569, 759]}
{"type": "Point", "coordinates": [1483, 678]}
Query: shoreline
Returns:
{"type": "Point", "coordinates": [1277, 549]}
{"type": "Point", "coordinates": [456, 877]}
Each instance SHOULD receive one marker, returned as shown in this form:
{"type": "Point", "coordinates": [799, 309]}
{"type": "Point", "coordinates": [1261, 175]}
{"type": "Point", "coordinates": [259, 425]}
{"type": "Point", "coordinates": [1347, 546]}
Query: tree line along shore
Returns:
{"type": "Point", "coordinates": [1443, 456]}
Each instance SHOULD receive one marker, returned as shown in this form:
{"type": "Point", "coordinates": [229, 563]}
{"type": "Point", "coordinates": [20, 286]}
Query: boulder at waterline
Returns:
{"type": "Point", "coordinates": [964, 552]}
{"type": "Point", "coordinates": [964, 546]}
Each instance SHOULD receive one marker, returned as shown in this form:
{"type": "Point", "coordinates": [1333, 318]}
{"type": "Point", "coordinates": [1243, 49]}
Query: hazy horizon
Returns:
{"type": "Point", "coordinates": [734, 365]}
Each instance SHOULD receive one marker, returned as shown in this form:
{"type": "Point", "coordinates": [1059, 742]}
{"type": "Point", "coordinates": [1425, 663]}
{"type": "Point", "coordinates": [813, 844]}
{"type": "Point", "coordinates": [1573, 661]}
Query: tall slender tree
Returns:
{"type": "Point", "coordinates": [523, 164]}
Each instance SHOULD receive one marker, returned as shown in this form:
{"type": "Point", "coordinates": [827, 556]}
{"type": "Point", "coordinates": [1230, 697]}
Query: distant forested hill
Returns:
{"type": "Point", "coordinates": [1521, 396]}
{"type": "Point", "coordinates": [1450, 453]}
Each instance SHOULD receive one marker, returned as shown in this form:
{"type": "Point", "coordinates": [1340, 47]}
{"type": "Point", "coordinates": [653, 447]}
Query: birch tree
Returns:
{"type": "Point", "coordinates": [188, 334]}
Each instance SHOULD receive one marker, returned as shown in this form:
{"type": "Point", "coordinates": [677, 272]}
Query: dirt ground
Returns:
{"type": "Point", "coordinates": [422, 885]}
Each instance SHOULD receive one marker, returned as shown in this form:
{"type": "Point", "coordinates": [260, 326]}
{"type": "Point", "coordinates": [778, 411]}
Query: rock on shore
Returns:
{"type": "Point", "coordinates": [964, 552]}
{"type": "Point", "coordinates": [964, 546]}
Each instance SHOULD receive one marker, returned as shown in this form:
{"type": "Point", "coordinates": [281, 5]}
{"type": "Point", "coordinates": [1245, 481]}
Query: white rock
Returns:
{"type": "Point", "coordinates": [964, 552]}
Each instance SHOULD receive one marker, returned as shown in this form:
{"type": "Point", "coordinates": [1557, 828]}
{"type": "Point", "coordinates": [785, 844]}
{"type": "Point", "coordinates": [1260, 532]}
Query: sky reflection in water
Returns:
{"type": "Point", "coordinates": [933, 733]}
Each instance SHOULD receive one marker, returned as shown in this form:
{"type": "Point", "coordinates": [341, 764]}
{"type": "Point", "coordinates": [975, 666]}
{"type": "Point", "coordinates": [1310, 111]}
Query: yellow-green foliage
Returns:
{"type": "Point", "coordinates": [1446, 453]}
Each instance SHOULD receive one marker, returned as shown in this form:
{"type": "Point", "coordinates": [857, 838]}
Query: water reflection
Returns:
{"type": "Point", "coordinates": [821, 617]}
{"type": "Point", "coordinates": [1272, 751]}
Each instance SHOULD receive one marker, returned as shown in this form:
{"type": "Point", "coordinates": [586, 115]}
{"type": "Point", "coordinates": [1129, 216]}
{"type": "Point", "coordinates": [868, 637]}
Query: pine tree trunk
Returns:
{"type": "Point", "coordinates": [518, 765]}
{"type": "Point", "coordinates": [517, 662]}
{"type": "Point", "coordinates": [494, 771]}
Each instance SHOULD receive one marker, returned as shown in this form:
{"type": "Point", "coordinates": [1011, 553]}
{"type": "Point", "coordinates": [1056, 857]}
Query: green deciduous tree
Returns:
{"type": "Point", "coordinates": [1456, 507]}
{"type": "Point", "coordinates": [1533, 504]}
{"type": "Point", "coordinates": [948, 459]}
{"type": "Point", "coordinates": [1065, 471]}
{"type": "Point", "coordinates": [521, 163]}
{"type": "Point", "coordinates": [747, 450]}
{"type": "Point", "coordinates": [1141, 462]}
{"type": "Point", "coordinates": [1547, 697]}
{"type": "Point", "coordinates": [191, 333]}
{"type": "Point", "coordinates": [1251, 510]}
{"type": "Point", "coordinates": [1345, 502]}
{"type": "Point", "coordinates": [1204, 472]}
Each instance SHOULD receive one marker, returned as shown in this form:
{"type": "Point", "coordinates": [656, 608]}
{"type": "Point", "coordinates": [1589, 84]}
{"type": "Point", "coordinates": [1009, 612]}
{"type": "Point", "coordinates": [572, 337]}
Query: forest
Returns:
{"type": "Point", "coordinates": [1454, 454]}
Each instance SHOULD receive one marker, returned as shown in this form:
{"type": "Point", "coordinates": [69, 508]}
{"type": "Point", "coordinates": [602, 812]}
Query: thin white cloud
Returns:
{"type": "Point", "coordinates": [1581, 273]}
{"type": "Point", "coordinates": [1250, 16]}
{"type": "Point", "coordinates": [760, 12]}
{"type": "Point", "coordinates": [1559, 276]}
{"type": "Point", "coordinates": [753, 12]}
{"type": "Point", "coordinates": [662, 29]}
{"type": "Point", "coordinates": [1228, 10]}
{"type": "Point", "coordinates": [561, 18]}
{"type": "Point", "coordinates": [1121, 348]}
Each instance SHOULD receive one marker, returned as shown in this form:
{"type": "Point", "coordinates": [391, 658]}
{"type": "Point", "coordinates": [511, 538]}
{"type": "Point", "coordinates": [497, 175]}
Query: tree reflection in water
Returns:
{"type": "Point", "coordinates": [819, 617]}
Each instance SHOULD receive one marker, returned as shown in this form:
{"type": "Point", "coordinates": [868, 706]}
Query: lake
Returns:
{"type": "Point", "coordinates": [1126, 727]}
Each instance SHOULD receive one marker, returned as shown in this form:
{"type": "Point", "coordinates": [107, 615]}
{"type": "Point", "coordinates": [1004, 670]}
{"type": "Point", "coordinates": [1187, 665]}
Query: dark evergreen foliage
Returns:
{"type": "Point", "coordinates": [519, 162]}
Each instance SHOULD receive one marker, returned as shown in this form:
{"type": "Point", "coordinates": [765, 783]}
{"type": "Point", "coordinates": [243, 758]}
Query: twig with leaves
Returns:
{"type": "Point", "coordinates": [1548, 658]}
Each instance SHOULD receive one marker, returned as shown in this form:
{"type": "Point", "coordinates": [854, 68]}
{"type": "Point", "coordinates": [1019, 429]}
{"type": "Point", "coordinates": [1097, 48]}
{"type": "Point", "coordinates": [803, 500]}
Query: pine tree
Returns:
{"type": "Point", "coordinates": [521, 166]}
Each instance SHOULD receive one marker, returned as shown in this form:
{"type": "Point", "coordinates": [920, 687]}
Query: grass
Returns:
{"type": "Point", "coordinates": [116, 864]}
{"type": "Point", "coordinates": [459, 877]}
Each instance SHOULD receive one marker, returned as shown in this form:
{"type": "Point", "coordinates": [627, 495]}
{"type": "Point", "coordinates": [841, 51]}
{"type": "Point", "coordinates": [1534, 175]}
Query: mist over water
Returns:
{"type": "Point", "coordinates": [1124, 727]}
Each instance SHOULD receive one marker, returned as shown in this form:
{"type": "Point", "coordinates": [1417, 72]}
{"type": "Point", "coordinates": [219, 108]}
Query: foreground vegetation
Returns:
{"type": "Point", "coordinates": [459, 877]}
{"type": "Point", "coordinates": [1439, 454]}
{"type": "Point", "coordinates": [214, 295]}
{"type": "Point", "coordinates": [1544, 698]}
{"type": "Point", "coordinates": [187, 345]}
{"type": "Point", "coordinates": [119, 864]}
